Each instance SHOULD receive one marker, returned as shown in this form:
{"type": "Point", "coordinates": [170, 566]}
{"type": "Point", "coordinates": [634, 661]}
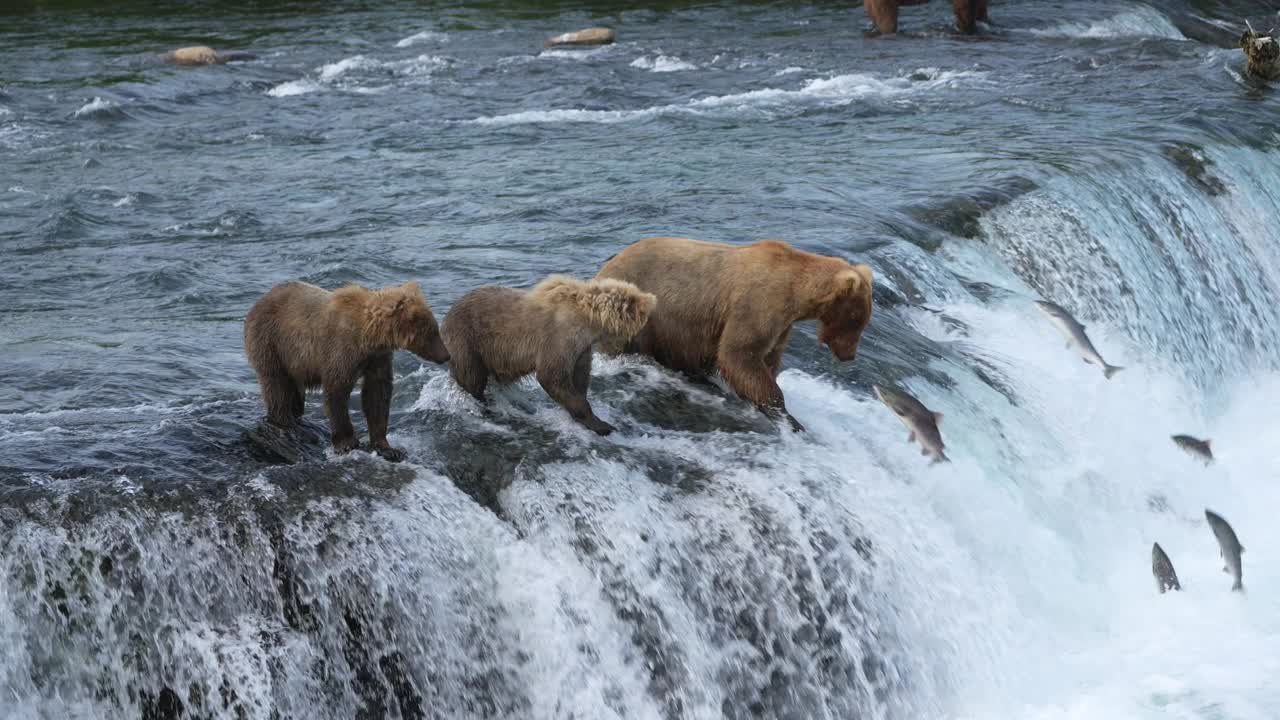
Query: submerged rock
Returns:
{"type": "Point", "coordinates": [1262, 53]}
{"type": "Point", "coordinates": [582, 38]}
{"type": "Point", "coordinates": [1197, 167]}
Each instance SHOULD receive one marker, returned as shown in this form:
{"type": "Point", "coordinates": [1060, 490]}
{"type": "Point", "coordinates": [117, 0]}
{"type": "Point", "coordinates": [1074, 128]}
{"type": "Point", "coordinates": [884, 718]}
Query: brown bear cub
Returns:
{"type": "Point", "coordinates": [730, 308]}
{"type": "Point", "coordinates": [506, 334]}
{"type": "Point", "coordinates": [299, 336]}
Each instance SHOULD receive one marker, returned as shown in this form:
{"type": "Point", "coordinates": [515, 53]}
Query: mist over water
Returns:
{"type": "Point", "coordinates": [1108, 156]}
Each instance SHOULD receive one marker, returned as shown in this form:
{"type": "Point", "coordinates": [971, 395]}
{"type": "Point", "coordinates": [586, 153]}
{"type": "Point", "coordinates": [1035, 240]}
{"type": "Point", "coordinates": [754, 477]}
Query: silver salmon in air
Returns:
{"type": "Point", "coordinates": [1076, 337]}
{"type": "Point", "coordinates": [920, 420]}
{"type": "Point", "coordinates": [1229, 546]}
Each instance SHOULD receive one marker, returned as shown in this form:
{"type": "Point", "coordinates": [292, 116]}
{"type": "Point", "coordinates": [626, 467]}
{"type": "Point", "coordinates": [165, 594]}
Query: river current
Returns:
{"type": "Point", "coordinates": [157, 561]}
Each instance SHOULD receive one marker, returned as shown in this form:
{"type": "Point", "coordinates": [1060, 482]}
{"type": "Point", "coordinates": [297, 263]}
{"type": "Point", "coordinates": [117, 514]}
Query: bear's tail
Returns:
{"type": "Point", "coordinates": [613, 308]}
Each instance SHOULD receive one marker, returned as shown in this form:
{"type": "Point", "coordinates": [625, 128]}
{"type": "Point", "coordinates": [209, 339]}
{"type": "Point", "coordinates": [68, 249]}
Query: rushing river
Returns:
{"type": "Point", "coordinates": [157, 562]}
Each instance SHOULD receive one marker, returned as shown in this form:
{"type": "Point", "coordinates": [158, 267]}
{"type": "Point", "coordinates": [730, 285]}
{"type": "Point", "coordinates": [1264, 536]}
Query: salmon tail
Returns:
{"type": "Point", "coordinates": [1109, 370]}
{"type": "Point", "coordinates": [1237, 586]}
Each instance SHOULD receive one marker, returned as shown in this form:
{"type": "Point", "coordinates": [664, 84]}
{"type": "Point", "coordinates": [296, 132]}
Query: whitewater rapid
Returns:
{"type": "Point", "coordinates": [701, 562]}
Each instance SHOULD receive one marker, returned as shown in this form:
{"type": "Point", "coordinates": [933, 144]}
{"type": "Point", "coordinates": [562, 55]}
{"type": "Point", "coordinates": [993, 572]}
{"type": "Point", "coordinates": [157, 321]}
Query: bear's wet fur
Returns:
{"type": "Point", "coordinates": [731, 307]}
{"type": "Point", "coordinates": [505, 334]}
{"type": "Point", "coordinates": [299, 336]}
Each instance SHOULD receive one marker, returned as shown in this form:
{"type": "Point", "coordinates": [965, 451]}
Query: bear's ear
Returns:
{"type": "Point", "coordinates": [402, 299]}
{"type": "Point", "coordinates": [643, 303]}
{"type": "Point", "coordinates": [391, 303]}
{"type": "Point", "coordinates": [854, 280]}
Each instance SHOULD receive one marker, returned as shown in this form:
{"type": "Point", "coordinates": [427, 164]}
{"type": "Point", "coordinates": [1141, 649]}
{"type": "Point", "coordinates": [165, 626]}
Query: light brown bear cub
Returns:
{"type": "Point", "coordinates": [506, 334]}
{"type": "Point", "coordinates": [731, 307]}
{"type": "Point", "coordinates": [299, 336]}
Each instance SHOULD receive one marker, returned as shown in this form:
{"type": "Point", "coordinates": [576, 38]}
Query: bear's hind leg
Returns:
{"type": "Point", "coordinates": [299, 401]}
{"type": "Point", "coordinates": [279, 394]}
{"type": "Point", "coordinates": [966, 15]}
{"type": "Point", "coordinates": [562, 385]}
{"type": "Point", "coordinates": [884, 13]}
{"type": "Point", "coordinates": [337, 399]}
{"type": "Point", "coordinates": [774, 359]}
{"type": "Point", "coordinates": [375, 400]}
{"type": "Point", "coordinates": [582, 372]}
{"type": "Point", "coordinates": [469, 371]}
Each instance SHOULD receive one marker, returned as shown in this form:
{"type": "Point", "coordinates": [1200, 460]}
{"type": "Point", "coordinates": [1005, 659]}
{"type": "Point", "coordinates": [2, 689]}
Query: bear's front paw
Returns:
{"type": "Point", "coordinates": [388, 453]}
{"type": "Point", "coordinates": [795, 424]}
{"type": "Point", "coordinates": [345, 444]}
{"type": "Point", "coordinates": [601, 427]}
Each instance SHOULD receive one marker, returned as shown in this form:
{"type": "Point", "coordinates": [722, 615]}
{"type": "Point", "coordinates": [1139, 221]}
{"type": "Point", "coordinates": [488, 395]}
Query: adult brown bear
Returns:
{"type": "Point", "coordinates": [299, 336]}
{"type": "Point", "coordinates": [884, 13]}
{"type": "Point", "coordinates": [506, 334]}
{"type": "Point", "coordinates": [730, 308]}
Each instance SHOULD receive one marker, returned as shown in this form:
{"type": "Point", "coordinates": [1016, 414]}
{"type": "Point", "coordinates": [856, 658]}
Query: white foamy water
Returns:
{"type": "Point", "coordinates": [1049, 502]}
{"type": "Point", "coordinates": [95, 106]}
{"type": "Point", "coordinates": [1017, 577]}
{"type": "Point", "coordinates": [578, 53]}
{"type": "Point", "coordinates": [426, 36]}
{"type": "Point", "coordinates": [662, 64]}
{"type": "Point", "coordinates": [1013, 582]}
{"type": "Point", "coordinates": [837, 90]}
{"type": "Point", "coordinates": [1141, 21]}
{"type": "Point", "coordinates": [363, 74]}
{"type": "Point", "coordinates": [555, 116]}
{"type": "Point", "coordinates": [295, 87]}
{"type": "Point", "coordinates": [698, 563]}
{"type": "Point", "coordinates": [333, 71]}
{"type": "Point", "coordinates": [16, 136]}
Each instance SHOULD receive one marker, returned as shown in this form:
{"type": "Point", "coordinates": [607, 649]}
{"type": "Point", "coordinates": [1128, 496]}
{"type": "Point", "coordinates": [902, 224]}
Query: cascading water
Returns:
{"type": "Point", "coordinates": [157, 562]}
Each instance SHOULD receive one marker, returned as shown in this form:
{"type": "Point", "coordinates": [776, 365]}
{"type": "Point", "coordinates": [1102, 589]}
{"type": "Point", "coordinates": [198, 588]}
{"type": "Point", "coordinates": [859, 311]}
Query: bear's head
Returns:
{"type": "Point", "coordinates": [618, 308]}
{"type": "Point", "coordinates": [401, 316]}
{"type": "Point", "coordinates": [844, 311]}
